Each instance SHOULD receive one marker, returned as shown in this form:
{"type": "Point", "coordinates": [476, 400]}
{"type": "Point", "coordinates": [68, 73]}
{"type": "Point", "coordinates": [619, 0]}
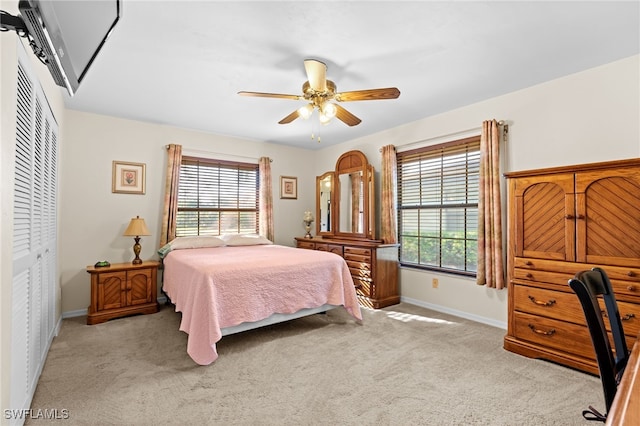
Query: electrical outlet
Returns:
{"type": "Point", "coordinates": [434, 282]}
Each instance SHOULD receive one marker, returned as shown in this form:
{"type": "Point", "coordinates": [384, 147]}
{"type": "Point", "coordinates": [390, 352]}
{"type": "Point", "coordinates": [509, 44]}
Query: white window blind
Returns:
{"type": "Point", "coordinates": [217, 197]}
{"type": "Point", "coordinates": [438, 206]}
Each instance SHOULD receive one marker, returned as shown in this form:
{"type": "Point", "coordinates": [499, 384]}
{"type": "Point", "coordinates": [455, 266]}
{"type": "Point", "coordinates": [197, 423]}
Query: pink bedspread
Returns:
{"type": "Point", "coordinates": [221, 287]}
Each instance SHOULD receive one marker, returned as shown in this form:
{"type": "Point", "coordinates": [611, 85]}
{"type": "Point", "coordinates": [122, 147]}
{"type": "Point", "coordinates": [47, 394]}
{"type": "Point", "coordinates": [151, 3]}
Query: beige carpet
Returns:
{"type": "Point", "coordinates": [403, 365]}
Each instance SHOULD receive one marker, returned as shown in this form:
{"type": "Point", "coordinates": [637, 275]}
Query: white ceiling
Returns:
{"type": "Point", "coordinates": [181, 63]}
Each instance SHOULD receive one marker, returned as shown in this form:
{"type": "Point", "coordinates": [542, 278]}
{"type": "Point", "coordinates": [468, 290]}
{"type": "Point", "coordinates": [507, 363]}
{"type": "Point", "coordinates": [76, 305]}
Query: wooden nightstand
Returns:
{"type": "Point", "coordinates": [122, 289]}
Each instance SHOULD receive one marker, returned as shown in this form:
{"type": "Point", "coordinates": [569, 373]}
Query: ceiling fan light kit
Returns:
{"type": "Point", "coordinates": [318, 92]}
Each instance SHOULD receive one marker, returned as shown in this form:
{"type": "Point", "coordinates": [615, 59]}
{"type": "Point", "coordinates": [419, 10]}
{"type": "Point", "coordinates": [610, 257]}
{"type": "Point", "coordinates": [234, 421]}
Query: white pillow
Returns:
{"type": "Point", "coordinates": [245, 240]}
{"type": "Point", "coordinates": [196, 242]}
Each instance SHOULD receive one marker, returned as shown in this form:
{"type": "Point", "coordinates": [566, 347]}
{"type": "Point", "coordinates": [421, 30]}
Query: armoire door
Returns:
{"type": "Point", "coordinates": [544, 216]}
{"type": "Point", "coordinates": [608, 217]}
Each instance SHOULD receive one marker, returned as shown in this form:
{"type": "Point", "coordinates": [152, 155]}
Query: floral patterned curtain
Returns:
{"type": "Point", "coordinates": [389, 195]}
{"type": "Point", "coordinates": [490, 258]}
{"type": "Point", "coordinates": [170, 209]}
{"type": "Point", "coordinates": [266, 198]}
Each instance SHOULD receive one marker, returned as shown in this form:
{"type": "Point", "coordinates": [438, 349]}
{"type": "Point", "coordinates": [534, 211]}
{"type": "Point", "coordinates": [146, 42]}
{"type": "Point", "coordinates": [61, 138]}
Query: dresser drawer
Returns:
{"type": "Point", "coordinates": [360, 273]}
{"type": "Point", "coordinates": [552, 333]}
{"type": "Point", "coordinates": [363, 287]}
{"type": "Point", "coordinates": [358, 264]}
{"type": "Point", "coordinates": [548, 303]}
{"type": "Point", "coordinates": [333, 248]}
{"type": "Point", "coordinates": [357, 251]}
{"type": "Point", "coordinates": [306, 245]}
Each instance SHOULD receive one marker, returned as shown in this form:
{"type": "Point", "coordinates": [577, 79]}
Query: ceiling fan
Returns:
{"type": "Point", "coordinates": [320, 92]}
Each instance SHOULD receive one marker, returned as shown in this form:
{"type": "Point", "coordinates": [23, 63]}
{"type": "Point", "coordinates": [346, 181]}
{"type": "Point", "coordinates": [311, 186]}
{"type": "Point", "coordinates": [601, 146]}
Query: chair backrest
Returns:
{"type": "Point", "coordinates": [588, 285]}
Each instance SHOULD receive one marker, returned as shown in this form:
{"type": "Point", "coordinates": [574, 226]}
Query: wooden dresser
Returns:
{"type": "Point", "coordinates": [373, 266]}
{"type": "Point", "coordinates": [562, 221]}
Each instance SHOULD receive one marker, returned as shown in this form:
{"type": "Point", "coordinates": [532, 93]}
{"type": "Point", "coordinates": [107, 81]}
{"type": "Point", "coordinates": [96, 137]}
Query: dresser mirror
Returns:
{"type": "Point", "coordinates": [324, 186]}
{"type": "Point", "coordinates": [344, 198]}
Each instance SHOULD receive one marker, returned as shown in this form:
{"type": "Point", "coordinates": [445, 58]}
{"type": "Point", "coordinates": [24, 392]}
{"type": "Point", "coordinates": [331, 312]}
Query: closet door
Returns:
{"type": "Point", "coordinates": [34, 236]}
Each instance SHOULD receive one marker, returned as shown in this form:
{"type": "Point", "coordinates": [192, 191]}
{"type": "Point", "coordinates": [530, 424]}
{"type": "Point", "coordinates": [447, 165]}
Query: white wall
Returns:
{"type": "Point", "coordinates": [586, 117]}
{"type": "Point", "coordinates": [94, 218]}
{"type": "Point", "coordinates": [9, 45]}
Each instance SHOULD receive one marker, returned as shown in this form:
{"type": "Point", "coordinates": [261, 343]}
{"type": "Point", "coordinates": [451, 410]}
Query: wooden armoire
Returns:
{"type": "Point", "coordinates": [561, 221]}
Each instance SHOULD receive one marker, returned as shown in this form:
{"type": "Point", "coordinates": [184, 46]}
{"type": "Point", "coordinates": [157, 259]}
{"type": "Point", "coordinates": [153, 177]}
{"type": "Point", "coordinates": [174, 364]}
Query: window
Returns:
{"type": "Point", "coordinates": [217, 197]}
{"type": "Point", "coordinates": [438, 206]}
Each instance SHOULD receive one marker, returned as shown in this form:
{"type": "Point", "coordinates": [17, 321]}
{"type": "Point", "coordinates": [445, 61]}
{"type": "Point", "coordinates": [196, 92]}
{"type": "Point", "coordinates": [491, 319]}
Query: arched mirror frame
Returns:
{"type": "Point", "coordinates": [348, 163]}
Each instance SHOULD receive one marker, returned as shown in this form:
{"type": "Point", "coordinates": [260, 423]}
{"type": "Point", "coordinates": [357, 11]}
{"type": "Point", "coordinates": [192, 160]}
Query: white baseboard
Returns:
{"type": "Point", "coordinates": [455, 312]}
{"type": "Point", "coordinates": [72, 314]}
{"type": "Point", "coordinates": [82, 312]}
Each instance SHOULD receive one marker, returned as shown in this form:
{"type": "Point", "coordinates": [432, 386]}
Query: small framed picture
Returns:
{"type": "Point", "coordinates": [128, 178]}
{"type": "Point", "coordinates": [288, 187]}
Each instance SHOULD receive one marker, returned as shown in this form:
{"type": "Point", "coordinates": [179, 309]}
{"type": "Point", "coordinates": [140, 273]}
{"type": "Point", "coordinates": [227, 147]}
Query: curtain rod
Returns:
{"type": "Point", "coordinates": [450, 135]}
{"type": "Point", "coordinates": [199, 151]}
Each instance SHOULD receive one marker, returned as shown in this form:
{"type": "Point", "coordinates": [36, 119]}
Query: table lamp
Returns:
{"type": "Point", "coordinates": [308, 220]}
{"type": "Point", "coordinates": [136, 228]}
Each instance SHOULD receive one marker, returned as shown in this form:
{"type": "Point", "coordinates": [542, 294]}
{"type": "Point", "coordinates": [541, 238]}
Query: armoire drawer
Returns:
{"type": "Point", "coordinates": [548, 303]}
{"type": "Point", "coordinates": [629, 315]}
{"type": "Point", "coordinates": [551, 333]}
{"type": "Point", "coordinates": [624, 280]}
{"type": "Point", "coordinates": [542, 276]}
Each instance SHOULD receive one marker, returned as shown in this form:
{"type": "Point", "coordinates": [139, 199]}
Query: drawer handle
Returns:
{"type": "Point", "coordinates": [631, 274]}
{"type": "Point", "coordinates": [541, 303]}
{"type": "Point", "coordinates": [544, 333]}
{"type": "Point", "coordinates": [631, 288]}
{"type": "Point", "coordinates": [626, 317]}
{"type": "Point", "coordinates": [529, 275]}
{"type": "Point", "coordinates": [528, 263]}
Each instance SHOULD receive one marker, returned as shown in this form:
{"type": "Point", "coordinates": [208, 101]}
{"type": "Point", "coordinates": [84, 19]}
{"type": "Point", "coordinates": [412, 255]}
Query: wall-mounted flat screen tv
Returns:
{"type": "Point", "coordinates": [70, 34]}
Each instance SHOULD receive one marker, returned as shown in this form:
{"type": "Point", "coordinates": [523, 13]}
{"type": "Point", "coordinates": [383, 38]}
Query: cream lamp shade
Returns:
{"type": "Point", "coordinates": [136, 228]}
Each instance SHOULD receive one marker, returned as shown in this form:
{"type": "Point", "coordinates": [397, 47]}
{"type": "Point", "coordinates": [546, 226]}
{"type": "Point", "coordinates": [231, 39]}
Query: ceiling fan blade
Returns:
{"type": "Point", "coordinates": [346, 117]}
{"type": "Point", "coordinates": [316, 74]}
{"type": "Point", "coordinates": [368, 95]}
{"type": "Point", "coordinates": [271, 95]}
{"type": "Point", "coordinates": [289, 118]}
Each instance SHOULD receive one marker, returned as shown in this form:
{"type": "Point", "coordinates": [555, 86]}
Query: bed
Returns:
{"type": "Point", "coordinates": [228, 287]}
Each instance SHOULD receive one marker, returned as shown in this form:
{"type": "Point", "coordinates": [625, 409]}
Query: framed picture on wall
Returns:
{"type": "Point", "coordinates": [288, 187]}
{"type": "Point", "coordinates": [128, 178]}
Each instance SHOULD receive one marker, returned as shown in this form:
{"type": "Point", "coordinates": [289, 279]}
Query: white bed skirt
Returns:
{"type": "Point", "coordinates": [275, 319]}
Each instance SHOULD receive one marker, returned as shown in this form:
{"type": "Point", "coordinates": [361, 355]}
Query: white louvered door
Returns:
{"type": "Point", "coordinates": [34, 236]}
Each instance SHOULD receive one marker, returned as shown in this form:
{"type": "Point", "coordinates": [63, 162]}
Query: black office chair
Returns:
{"type": "Point", "coordinates": [588, 285]}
